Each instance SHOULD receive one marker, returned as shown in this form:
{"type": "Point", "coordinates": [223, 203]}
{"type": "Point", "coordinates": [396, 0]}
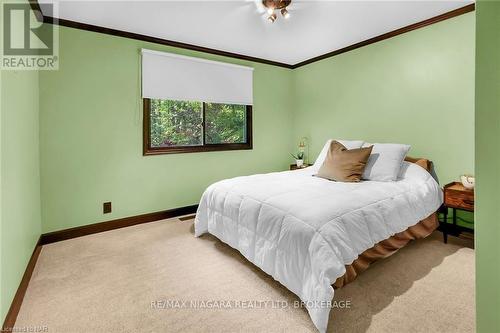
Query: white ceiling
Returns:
{"type": "Point", "coordinates": [314, 27]}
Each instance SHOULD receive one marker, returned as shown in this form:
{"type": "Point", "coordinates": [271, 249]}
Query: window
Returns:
{"type": "Point", "coordinates": [172, 126]}
{"type": "Point", "coordinates": [194, 105]}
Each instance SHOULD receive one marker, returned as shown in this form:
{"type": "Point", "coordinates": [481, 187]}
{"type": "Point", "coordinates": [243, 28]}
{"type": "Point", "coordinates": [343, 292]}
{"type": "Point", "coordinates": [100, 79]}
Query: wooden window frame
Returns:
{"type": "Point", "coordinates": [149, 150]}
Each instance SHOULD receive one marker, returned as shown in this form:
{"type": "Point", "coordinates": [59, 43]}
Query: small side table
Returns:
{"type": "Point", "coordinates": [456, 197]}
{"type": "Point", "coordinates": [295, 167]}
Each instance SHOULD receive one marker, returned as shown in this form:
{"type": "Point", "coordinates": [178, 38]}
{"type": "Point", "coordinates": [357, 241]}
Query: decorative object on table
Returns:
{"type": "Point", "coordinates": [468, 181]}
{"type": "Point", "coordinates": [456, 197]}
{"type": "Point", "coordinates": [299, 158]}
{"type": "Point", "coordinates": [304, 147]}
{"type": "Point", "coordinates": [302, 154]}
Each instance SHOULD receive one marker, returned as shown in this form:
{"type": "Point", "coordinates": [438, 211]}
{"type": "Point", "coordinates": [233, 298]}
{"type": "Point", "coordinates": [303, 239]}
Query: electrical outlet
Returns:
{"type": "Point", "coordinates": [106, 207]}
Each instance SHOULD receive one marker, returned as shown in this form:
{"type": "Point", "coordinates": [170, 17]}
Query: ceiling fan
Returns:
{"type": "Point", "coordinates": [276, 5]}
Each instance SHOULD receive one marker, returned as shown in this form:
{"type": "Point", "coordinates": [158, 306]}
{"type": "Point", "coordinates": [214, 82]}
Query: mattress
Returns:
{"type": "Point", "coordinates": [303, 230]}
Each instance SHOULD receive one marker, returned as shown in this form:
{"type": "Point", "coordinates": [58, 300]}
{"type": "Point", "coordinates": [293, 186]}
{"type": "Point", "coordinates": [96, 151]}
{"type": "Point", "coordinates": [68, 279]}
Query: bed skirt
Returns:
{"type": "Point", "coordinates": [386, 248]}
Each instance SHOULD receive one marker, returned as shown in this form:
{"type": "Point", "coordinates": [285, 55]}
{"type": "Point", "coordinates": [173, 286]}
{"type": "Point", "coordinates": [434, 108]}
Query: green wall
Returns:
{"type": "Point", "coordinates": [416, 88]}
{"type": "Point", "coordinates": [488, 167]}
{"type": "Point", "coordinates": [398, 90]}
{"type": "Point", "coordinates": [91, 135]}
{"type": "Point", "coordinates": [2, 311]}
{"type": "Point", "coordinates": [20, 178]}
{"type": "Point", "coordinates": [20, 217]}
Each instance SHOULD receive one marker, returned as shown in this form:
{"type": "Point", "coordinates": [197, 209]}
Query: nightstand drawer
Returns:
{"type": "Point", "coordinates": [456, 197]}
{"type": "Point", "coordinates": [459, 200]}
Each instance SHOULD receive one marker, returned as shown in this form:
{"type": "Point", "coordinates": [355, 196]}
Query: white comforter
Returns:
{"type": "Point", "coordinates": [303, 230]}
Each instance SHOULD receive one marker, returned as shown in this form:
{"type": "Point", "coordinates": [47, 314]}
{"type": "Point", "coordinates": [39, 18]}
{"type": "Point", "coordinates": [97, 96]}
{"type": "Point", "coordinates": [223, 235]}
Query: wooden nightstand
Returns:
{"type": "Point", "coordinates": [456, 196]}
{"type": "Point", "coordinates": [294, 166]}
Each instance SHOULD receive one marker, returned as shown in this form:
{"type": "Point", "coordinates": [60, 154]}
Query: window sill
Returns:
{"type": "Point", "coordinates": [195, 149]}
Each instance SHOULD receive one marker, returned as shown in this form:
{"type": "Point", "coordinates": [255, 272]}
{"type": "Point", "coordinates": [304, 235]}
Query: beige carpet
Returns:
{"type": "Point", "coordinates": [116, 282]}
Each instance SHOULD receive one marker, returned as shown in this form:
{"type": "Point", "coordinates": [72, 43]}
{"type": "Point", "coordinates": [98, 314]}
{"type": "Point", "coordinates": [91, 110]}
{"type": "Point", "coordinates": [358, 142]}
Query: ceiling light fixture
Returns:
{"type": "Point", "coordinates": [272, 5]}
{"type": "Point", "coordinates": [285, 13]}
{"type": "Point", "coordinates": [272, 18]}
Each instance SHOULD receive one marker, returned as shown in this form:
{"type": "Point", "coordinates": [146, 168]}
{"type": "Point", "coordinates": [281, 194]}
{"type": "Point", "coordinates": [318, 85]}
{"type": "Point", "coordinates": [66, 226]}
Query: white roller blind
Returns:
{"type": "Point", "coordinates": [171, 76]}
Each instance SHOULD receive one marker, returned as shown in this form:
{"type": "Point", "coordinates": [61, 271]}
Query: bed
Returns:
{"type": "Point", "coordinates": [314, 235]}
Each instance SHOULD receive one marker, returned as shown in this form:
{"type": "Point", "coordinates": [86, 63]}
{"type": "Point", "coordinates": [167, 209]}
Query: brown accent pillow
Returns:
{"type": "Point", "coordinates": [344, 165]}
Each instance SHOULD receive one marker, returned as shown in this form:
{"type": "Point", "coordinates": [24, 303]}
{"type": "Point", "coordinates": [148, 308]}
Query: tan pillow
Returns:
{"type": "Point", "coordinates": [344, 165]}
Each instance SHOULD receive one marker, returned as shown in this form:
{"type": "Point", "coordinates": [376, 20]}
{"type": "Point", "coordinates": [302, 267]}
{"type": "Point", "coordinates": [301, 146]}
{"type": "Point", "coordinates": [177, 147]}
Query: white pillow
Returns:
{"type": "Point", "coordinates": [349, 144]}
{"type": "Point", "coordinates": [385, 161]}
